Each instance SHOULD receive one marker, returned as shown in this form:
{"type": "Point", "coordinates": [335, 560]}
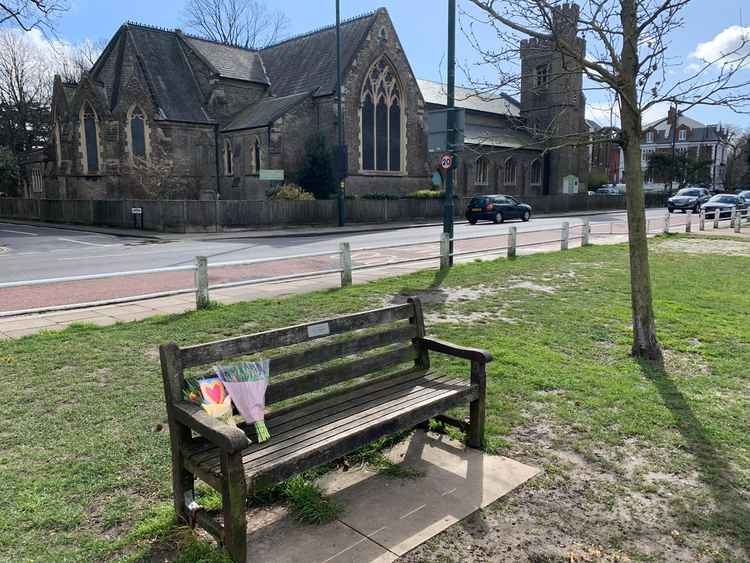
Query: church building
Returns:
{"type": "Point", "coordinates": [164, 114]}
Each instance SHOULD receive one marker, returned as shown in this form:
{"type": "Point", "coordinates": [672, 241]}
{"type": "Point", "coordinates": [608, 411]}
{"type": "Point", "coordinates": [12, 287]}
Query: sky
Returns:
{"type": "Point", "coordinates": [422, 29]}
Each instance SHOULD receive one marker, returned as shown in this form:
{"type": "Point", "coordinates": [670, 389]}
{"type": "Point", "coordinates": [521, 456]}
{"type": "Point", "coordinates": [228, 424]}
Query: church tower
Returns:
{"type": "Point", "coordinates": [552, 101]}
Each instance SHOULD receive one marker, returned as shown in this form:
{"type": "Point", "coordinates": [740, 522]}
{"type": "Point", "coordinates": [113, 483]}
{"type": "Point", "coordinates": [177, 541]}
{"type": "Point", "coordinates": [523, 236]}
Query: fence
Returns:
{"type": "Point", "coordinates": [218, 215]}
{"type": "Point", "coordinates": [344, 265]}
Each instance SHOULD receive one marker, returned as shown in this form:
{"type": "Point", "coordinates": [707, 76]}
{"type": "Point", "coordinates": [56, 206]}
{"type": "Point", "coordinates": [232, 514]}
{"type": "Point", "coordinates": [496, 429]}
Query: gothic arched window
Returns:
{"type": "Point", "coordinates": [90, 138]}
{"type": "Point", "coordinates": [57, 139]}
{"type": "Point", "coordinates": [382, 119]}
{"type": "Point", "coordinates": [480, 171]}
{"type": "Point", "coordinates": [138, 133]}
{"type": "Point", "coordinates": [536, 172]}
{"type": "Point", "coordinates": [228, 158]}
{"type": "Point", "coordinates": [510, 172]}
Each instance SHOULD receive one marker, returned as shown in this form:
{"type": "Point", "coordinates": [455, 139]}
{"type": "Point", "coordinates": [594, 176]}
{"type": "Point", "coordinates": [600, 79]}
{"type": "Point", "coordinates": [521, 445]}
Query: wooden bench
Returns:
{"type": "Point", "coordinates": [387, 348]}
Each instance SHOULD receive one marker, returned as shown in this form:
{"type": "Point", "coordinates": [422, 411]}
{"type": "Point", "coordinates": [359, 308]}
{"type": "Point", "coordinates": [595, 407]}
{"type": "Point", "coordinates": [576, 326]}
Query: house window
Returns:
{"type": "Point", "coordinates": [480, 171]}
{"type": "Point", "coordinates": [542, 75]}
{"type": "Point", "coordinates": [138, 133]}
{"type": "Point", "coordinates": [650, 137]}
{"type": "Point", "coordinates": [90, 142]}
{"type": "Point", "coordinates": [682, 134]}
{"type": "Point", "coordinates": [536, 172]}
{"type": "Point", "coordinates": [255, 157]}
{"type": "Point", "coordinates": [509, 173]}
{"type": "Point", "coordinates": [382, 119]}
{"type": "Point", "coordinates": [228, 158]}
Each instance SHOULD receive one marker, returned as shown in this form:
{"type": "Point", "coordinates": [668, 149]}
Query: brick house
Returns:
{"type": "Point", "coordinates": [698, 141]}
{"type": "Point", "coordinates": [166, 114]}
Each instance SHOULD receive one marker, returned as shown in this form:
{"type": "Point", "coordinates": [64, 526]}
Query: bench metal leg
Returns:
{"type": "Point", "coordinates": [233, 499]}
{"type": "Point", "coordinates": [475, 438]}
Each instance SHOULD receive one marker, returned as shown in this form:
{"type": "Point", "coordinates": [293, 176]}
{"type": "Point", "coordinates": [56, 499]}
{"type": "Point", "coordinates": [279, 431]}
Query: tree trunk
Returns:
{"type": "Point", "coordinates": [645, 343]}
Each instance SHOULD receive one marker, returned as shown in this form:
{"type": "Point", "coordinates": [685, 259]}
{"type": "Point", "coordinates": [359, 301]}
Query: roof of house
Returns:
{"type": "Point", "coordinates": [308, 62]}
{"type": "Point", "coordinates": [499, 137]}
{"type": "Point", "coordinates": [230, 61]}
{"type": "Point", "coordinates": [437, 94]}
{"type": "Point", "coordinates": [682, 120]}
{"type": "Point", "coordinates": [264, 112]}
{"type": "Point", "coordinates": [702, 134]}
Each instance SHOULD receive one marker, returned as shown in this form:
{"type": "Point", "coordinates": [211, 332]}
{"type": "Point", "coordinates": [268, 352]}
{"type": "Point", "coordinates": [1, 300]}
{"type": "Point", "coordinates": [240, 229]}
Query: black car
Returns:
{"type": "Point", "coordinates": [606, 190]}
{"type": "Point", "coordinates": [723, 205]}
{"type": "Point", "coordinates": [745, 194]}
{"type": "Point", "coordinates": [688, 198]}
{"type": "Point", "coordinates": [496, 208]}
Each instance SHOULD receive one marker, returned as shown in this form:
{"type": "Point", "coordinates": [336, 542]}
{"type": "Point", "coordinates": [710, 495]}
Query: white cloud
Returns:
{"type": "Point", "coordinates": [726, 47]}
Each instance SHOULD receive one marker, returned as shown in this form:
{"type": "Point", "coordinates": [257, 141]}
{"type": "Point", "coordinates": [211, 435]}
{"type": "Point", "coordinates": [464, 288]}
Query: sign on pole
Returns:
{"type": "Point", "coordinates": [446, 161]}
{"type": "Point", "coordinates": [272, 175]}
{"type": "Point", "coordinates": [437, 130]}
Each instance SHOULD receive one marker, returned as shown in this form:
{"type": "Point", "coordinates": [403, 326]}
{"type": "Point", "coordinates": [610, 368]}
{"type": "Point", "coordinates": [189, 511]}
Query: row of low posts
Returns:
{"type": "Point", "coordinates": [735, 221]}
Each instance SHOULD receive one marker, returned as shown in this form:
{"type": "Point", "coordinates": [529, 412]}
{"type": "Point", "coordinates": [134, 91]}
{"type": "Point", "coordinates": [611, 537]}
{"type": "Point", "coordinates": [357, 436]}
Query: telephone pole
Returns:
{"type": "Point", "coordinates": [341, 153]}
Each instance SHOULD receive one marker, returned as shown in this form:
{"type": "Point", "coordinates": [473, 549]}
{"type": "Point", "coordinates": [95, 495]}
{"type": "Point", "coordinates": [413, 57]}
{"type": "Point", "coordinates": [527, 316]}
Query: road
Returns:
{"type": "Point", "coordinates": [32, 252]}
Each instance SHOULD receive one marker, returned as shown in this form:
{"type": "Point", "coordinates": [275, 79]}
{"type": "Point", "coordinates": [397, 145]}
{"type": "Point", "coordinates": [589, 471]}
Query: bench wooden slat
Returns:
{"type": "Point", "coordinates": [202, 354]}
{"type": "Point", "coordinates": [342, 443]}
{"type": "Point", "coordinates": [358, 407]}
{"type": "Point", "coordinates": [327, 352]}
{"type": "Point", "coordinates": [338, 374]}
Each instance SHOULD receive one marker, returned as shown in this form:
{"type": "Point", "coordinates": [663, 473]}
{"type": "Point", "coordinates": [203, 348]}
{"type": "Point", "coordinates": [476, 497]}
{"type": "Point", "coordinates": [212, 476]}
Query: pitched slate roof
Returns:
{"type": "Point", "coordinates": [230, 61]}
{"type": "Point", "coordinates": [437, 94]}
{"type": "Point", "coordinates": [706, 134]}
{"type": "Point", "coordinates": [499, 137]}
{"type": "Point", "coordinates": [308, 62]}
{"type": "Point", "coordinates": [264, 112]}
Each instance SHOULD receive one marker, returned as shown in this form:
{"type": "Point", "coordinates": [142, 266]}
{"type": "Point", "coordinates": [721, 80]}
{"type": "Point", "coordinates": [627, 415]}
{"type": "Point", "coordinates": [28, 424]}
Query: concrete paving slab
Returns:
{"type": "Point", "coordinates": [29, 322]}
{"type": "Point", "coordinates": [275, 537]}
{"type": "Point", "coordinates": [400, 514]}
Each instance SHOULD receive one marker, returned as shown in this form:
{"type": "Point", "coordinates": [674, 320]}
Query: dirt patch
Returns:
{"type": "Point", "coordinates": [705, 246]}
{"type": "Point", "coordinates": [531, 286]}
{"type": "Point", "coordinates": [685, 364]}
{"type": "Point", "coordinates": [586, 506]}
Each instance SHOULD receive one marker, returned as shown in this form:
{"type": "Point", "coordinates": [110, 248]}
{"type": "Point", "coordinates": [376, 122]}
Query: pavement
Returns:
{"type": "Point", "coordinates": [384, 518]}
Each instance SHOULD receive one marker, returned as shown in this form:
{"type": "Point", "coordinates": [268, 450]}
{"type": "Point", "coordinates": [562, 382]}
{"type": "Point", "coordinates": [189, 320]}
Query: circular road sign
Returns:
{"type": "Point", "coordinates": [446, 161]}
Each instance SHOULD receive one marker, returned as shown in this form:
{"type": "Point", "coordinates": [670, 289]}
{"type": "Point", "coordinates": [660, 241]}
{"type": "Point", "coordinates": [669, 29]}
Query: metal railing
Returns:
{"type": "Point", "coordinates": [346, 268]}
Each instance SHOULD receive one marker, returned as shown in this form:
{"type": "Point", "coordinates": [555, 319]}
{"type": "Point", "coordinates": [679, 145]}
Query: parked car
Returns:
{"type": "Point", "coordinates": [496, 208]}
{"type": "Point", "coordinates": [688, 198]}
{"type": "Point", "coordinates": [723, 205]}
{"type": "Point", "coordinates": [745, 194]}
{"type": "Point", "coordinates": [607, 190]}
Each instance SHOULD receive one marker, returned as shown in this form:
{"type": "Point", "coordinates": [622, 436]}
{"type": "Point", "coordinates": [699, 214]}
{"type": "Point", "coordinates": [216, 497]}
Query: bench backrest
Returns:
{"type": "Point", "coordinates": [393, 329]}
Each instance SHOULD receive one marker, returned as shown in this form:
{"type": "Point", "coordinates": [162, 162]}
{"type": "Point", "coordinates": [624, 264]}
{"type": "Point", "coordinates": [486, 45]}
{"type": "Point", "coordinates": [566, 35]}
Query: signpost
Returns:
{"type": "Point", "coordinates": [450, 126]}
{"type": "Point", "coordinates": [137, 212]}
{"type": "Point", "coordinates": [446, 161]}
{"type": "Point", "coordinates": [437, 130]}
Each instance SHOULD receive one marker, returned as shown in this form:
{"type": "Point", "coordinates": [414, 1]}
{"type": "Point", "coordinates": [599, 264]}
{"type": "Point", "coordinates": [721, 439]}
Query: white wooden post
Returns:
{"type": "Point", "coordinates": [689, 222]}
{"type": "Point", "coordinates": [586, 232]}
{"type": "Point", "coordinates": [201, 282]}
{"type": "Point", "coordinates": [564, 236]}
{"type": "Point", "coordinates": [716, 218]}
{"type": "Point", "coordinates": [702, 220]}
{"type": "Point", "coordinates": [445, 250]}
{"type": "Point", "coordinates": [512, 242]}
{"type": "Point", "coordinates": [345, 251]}
{"type": "Point", "coordinates": [737, 221]}
{"type": "Point", "coordinates": [666, 223]}
{"type": "Point", "coordinates": [733, 218]}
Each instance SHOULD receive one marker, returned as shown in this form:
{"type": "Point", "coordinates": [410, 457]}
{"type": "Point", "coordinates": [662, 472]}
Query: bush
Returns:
{"type": "Point", "coordinates": [426, 194]}
{"type": "Point", "coordinates": [381, 195]}
{"type": "Point", "coordinates": [290, 192]}
{"type": "Point", "coordinates": [597, 179]}
{"type": "Point", "coordinates": [316, 174]}
{"type": "Point", "coordinates": [9, 173]}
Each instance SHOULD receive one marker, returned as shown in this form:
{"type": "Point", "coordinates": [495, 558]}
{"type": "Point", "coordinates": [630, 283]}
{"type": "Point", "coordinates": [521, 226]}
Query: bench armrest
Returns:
{"type": "Point", "coordinates": [224, 436]}
{"type": "Point", "coordinates": [442, 347]}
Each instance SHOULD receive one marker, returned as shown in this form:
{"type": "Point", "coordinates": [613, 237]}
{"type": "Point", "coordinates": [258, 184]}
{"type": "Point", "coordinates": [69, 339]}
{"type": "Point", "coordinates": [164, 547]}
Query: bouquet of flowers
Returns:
{"type": "Point", "coordinates": [246, 384]}
{"type": "Point", "coordinates": [210, 394]}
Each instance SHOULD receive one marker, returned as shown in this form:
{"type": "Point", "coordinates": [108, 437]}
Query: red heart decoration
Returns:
{"type": "Point", "coordinates": [214, 392]}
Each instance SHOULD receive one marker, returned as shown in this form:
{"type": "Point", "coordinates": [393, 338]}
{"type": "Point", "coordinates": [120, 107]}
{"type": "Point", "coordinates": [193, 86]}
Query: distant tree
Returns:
{"type": "Point", "coordinates": [738, 162]}
{"type": "Point", "coordinates": [682, 168]}
{"type": "Point", "coordinates": [72, 60]}
{"type": "Point", "coordinates": [246, 23]}
{"type": "Point", "coordinates": [316, 174]}
{"type": "Point", "coordinates": [30, 14]}
{"type": "Point", "coordinates": [8, 172]}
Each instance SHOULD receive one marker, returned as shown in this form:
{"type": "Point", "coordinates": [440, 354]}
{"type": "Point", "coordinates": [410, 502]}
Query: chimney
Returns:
{"type": "Point", "coordinates": [671, 116]}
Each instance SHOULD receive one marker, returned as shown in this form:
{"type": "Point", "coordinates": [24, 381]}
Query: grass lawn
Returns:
{"type": "Point", "coordinates": [639, 464]}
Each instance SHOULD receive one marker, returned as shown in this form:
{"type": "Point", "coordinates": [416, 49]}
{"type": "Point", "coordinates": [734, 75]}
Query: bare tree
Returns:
{"type": "Point", "coordinates": [25, 91]}
{"type": "Point", "coordinates": [246, 23]}
{"type": "Point", "coordinates": [29, 14]}
{"type": "Point", "coordinates": [71, 61]}
{"type": "Point", "coordinates": [628, 57]}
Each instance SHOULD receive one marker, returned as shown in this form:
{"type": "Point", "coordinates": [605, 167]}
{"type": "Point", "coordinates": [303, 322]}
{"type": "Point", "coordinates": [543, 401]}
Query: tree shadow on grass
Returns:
{"type": "Point", "coordinates": [731, 518]}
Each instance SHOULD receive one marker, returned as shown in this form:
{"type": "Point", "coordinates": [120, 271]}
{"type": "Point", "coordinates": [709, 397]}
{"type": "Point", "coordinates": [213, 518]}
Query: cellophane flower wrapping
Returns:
{"type": "Point", "coordinates": [246, 384]}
